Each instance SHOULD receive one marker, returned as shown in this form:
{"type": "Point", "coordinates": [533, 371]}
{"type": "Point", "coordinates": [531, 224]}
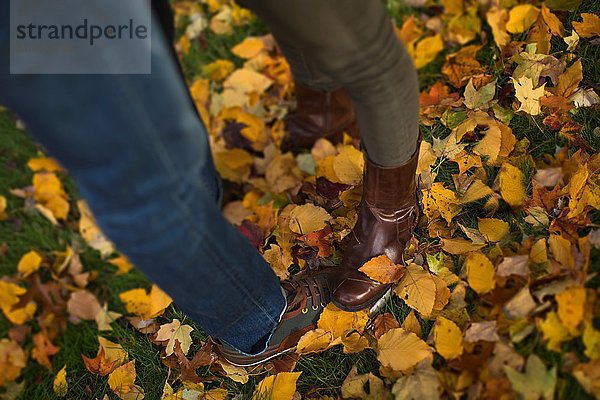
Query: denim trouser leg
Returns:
{"type": "Point", "coordinates": [140, 156]}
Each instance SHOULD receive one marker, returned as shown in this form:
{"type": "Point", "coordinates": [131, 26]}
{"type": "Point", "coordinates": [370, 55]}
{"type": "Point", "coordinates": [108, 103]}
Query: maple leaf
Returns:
{"type": "Point", "coordinates": [147, 306]}
{"type": "Point", "coordinates": [528, 96]}
{"type": "Point", "coordinates": [401, 350]}
{"type": "Point", "coordinates": [43, 349]}
{"type": "Point", "coordinates": [12, 360]}
{"type": "Point", "coordinates": [122, 382]}
{"type": "Point", "coordinates": [589, 27]}
{"type": "Point", "coordinates": [174, 331]}
{"type": "Point", "coordinates": [571, 307]}
{"type": "Point", "coordinates": [537, 382]}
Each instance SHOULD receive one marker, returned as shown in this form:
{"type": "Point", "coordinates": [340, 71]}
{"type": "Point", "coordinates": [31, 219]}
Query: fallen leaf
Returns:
{"type": "Point", "coordinates": [493, 229]}
{"type": "Point", "coordinates": [60, 382]}
{"type": "Point", "coordinates": [174, 331]}
{"type": "Point", "coordinates": [417, 289]}
{"type": "Point", "coordinates": [521, 17]}
{"type": "Point", "coordinates": [29, 263]}
{"type": "Point", "coordinates": [448, 338]}
{"type": "Point", "coordinates": [571, 307]}
{"type": "Point", "coordinates": [537, 382]}
{"type": "Point", "coordinates": [480, 272]}
{"type": "Point", "coordinates": [512, 185]}
{"type": "Point", "coordinates": [421, 383]}
{"type": "Point", "coordinates": [401, 350]}
{"type": "Point", "coordinates": [382, 269]}
{"type": "Point", "coordinates": [277, 387]}
{"type": "Point", "coordinates": [308, 218]}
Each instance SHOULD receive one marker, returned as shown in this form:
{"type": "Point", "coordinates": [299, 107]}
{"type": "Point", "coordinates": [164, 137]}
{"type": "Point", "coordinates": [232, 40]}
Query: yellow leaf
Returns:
{"type": "Point", "coordinates": [589, 27]}
{"type": "Point", "coordinates": [411, 324]}
{"type": "Point", "coordinates": [20, 315]}
{"type": "Point", "coordinates": [122, 379]}
{"type": "Point", "coordinates": [497, 18]}
{"type": "Point", "coordinates": [528, 96]}
{"type": "Point", "coordinates": [538, 253]}
{"type": "Point", "coordinates": [401, 350]}
{"type": "Point", "coordinates": [48, 191]}
{"type": "Point", "coordinates": [571, 307]}
{"type": "Point", "coordinates": [248, 48]}
{"type": "Point", "coordinates": [354, 343]}
{"type": "Point", "coordinates": [174, 331]}
{"type": "Point", "coordinates": [147, 306]}
{"type": "Point", "coordinates": [561, 250]}
{"type": "Point", "coordinates": [382, 269]}
{"type": "Point", "coordinates": [442, 293]}
{"type": "Point", "coordinates": [553, 331]}
{"type": "Point", "coordinates": [2, 208]}
{"type": "Point", "coordinates": [236, 374]}
{"type": "Point", "coordinates": [279, 261]}
{"type": "Point", "coordinates": [448, 338]}
{"type": "Point", "coordinates": [113, 352]}
{"type": "Point", "coordinates": [29, 263]}
{"type": "Point", "coordinates": [568, 81]}
{"type": "Point", "coordinates": [440, 201]}
{"type": "Point", "coordinates": [314, 341]}
{"type": "Point", "coordinates": [60, 382]}
{"type": "Point", "coordinates": [277, 387]}
{"type": "Point", "coordinates": [234, 164]}
{"type": "Point", "coordinates": [417, 289]}
{"type": "Point", "coordinates": [12, 360]}
{"type": "Point", "coordinates": [427, 49]}
{"type": "Point", "coordinates": [476, 191]}
{"type": "Point", "coordinates": [43, 164]}
{"type": "Point", "coordinates": [556, 27]}
{"type": "Point", "coordinates": [90, 231]}
{"type": "Point", "coordinates": [104, 318]}
{"type": "Point", "coordinates": [591, 340]}
{"type": "Point", "coordinates": [9, 294]}
{"type": "Point", "coordinates": [521, 18]}
{"type": "Point", "coordinates": [348, 165]}
{"type": "Point", "coordinates": [122, 263]}
{"type": "Point", "coordinates": [218, 70]}
{"type": "Point", "coordinates": [246, 81]}
{"type": "Point", "coordinates": [493, 229]}
{"type": "Point", "coordinates": [459, 246]}
{"type": "Point", "coordinates": [480, 272]}
{"type": "Point", "coordinates": [308, 218]}
{"type": "Point", "coordinates": [512, 185]}
{"type": "Point", "coordinates": [339, 322]}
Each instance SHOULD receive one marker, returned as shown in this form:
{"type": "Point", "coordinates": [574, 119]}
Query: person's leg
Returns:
{"type": "Point", "coordinates": [140, 157]}
{"type": "Point", "coordinates": [353, 43]}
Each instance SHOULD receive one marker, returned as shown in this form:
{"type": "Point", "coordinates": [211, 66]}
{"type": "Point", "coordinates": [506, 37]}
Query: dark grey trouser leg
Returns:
{"type": "Point", "coordinates": [352, 44]}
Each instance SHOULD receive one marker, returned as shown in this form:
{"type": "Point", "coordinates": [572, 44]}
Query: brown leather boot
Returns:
{"type": "Point", "coordinates": [387, 215]}
{"type": "Point", "coordinates": [319, 115]}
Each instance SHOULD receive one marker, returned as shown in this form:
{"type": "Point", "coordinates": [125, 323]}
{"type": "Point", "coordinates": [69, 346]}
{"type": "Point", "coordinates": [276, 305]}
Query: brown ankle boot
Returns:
{"type": "Point", "coordinates": [387, 214]}
{"type": "Point", "coordinates": [319, 115]}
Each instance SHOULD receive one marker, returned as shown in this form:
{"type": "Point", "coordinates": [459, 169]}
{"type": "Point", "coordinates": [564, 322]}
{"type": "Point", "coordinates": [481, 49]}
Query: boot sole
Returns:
{"type": "Point", "coordinates": [374, 306]}
{"type": "Point", "coordinates": [262, 360]}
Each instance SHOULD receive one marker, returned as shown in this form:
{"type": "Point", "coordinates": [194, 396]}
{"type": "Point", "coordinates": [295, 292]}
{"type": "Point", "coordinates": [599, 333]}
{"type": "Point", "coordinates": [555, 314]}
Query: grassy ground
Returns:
{"type": "Point", "coordinates": [323, 374]}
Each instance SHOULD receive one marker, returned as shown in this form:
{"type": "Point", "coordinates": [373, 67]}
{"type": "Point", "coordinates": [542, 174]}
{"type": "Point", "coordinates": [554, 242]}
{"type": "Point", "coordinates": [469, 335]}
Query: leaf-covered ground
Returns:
{"type": "Point", "coordinates": [498, 299]}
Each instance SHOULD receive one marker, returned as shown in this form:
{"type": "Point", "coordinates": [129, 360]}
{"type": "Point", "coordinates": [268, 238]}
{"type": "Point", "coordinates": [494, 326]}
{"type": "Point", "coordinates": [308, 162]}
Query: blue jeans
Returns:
{"type": "Point", "coordinates": [139, 154]}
